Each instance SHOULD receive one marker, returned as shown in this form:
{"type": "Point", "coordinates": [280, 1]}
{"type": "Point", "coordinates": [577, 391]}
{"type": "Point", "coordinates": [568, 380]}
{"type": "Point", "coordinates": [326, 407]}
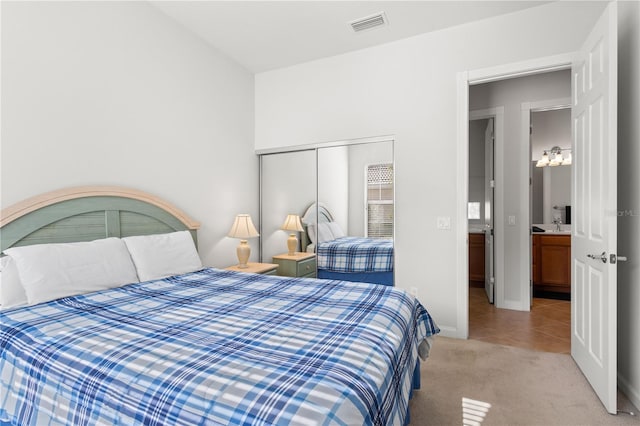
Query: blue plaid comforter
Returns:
{"type": "Point", "coordinates": [355, 254]}
{"type": "Point", "coordinates": [214, 347]}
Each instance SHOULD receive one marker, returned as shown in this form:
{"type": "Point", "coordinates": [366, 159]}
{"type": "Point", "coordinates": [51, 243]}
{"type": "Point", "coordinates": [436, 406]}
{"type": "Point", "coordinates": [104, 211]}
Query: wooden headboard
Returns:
{"type": "Point", "coordinates": [315, 210]}
{"type": "Point", "coordinates": [89, 213]}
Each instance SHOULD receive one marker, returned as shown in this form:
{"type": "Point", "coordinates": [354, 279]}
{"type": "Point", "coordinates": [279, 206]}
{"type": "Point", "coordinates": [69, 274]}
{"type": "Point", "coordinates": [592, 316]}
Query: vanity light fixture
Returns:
{"type": "Point", "coordinates": [292, 223]}
{"type": "Point", "coordinates": [554, 157]}
{"type": "Point", "coordinates": [243, 229]}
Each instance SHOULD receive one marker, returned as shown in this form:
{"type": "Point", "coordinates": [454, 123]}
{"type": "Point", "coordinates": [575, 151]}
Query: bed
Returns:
{"type": "Point", "coordinates": [343, 257]}
{"type": "Point", "coordinates": [205, 346]}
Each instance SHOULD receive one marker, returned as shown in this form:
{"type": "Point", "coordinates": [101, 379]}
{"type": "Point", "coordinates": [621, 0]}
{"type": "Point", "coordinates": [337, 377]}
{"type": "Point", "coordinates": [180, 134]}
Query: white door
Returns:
{"type": "Point", "coordinates": [593, 278]}
{"type": "Point", "coordinates": [489, 280]}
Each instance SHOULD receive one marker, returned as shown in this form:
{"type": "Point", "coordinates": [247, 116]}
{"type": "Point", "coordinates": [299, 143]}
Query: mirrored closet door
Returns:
{"type": "Point", "coordinates": [356, 188]}
{"type": "Point", "coordinates": [287, 186]}
{"type": "Point", "coordinates": [344, 195]}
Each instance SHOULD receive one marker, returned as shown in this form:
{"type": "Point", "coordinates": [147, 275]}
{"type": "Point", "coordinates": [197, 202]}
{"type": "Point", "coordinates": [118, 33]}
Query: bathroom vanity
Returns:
{"type": "Point", "coordinates": [476, 259]}
{"type": "Point", "coordinates": [551, 262]}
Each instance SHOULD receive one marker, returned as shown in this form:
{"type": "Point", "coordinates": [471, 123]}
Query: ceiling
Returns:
{"type": "Point", "coordinates": [265, 35]}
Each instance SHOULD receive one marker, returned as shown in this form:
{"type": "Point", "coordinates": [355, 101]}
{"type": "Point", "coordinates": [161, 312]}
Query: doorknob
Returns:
{"type": "Point", "coordinates": [602, 257]}
{"type": "Point", "coordinates": [613, 258]}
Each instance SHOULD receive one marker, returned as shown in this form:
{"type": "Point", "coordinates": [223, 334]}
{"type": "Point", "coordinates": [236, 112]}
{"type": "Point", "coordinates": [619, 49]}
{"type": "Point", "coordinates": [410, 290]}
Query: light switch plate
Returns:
{"type": "Point", "coordinates": [512, 220]}
{"type": "Point", "coordinates": [444, 222]}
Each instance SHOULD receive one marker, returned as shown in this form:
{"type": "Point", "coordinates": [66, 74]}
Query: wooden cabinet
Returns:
{"type": "Point", "coordinates": [297, 265]}
{"type": "Point", "coordinates": [476, 258]}
{"type": "Point", "coordinates": [551, 263]}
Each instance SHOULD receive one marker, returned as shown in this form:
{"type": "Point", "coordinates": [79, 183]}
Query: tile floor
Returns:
{"type": "Point", "coordinates": [547, 327]}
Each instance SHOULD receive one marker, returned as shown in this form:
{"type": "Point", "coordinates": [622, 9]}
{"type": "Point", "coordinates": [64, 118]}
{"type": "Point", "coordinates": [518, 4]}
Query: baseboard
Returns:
{"type": "Point", "coordinates": [632, 394]}
{"type": "Point", "coordinates": [450, 332]}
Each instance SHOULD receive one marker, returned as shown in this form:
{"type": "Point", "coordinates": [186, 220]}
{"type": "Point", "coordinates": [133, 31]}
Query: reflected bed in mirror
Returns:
{"type": "Point", "coordinates": [343, 257]}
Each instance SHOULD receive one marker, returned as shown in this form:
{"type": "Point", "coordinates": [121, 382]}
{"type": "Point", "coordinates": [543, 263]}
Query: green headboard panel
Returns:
{"type": "Point", "coordinates": [90, 217]}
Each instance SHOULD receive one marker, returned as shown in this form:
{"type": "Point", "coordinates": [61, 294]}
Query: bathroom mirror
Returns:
{"type": "Point", "coordinates": [288, 186]}
{"type": "Point", "coordinates": [550, 185]}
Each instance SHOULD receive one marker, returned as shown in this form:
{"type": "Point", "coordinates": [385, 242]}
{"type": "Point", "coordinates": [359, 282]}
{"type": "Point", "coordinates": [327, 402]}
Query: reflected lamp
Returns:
{"type": "Point", "coordinates": [243, 229]}
{"type": "Point", "coordinates": [292, 223]}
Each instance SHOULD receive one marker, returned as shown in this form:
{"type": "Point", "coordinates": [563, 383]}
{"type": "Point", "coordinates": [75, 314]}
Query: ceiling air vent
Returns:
{"type": "Point", "coordinates": [369, 22]}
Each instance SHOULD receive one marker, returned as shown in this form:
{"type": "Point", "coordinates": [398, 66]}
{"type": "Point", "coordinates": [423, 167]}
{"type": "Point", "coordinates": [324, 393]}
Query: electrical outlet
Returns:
{"type": "Point", "coordinates": [444, 222]}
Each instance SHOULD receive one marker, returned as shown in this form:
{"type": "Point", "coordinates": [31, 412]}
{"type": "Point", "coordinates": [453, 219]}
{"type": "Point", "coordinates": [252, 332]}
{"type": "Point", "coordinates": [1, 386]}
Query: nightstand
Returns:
{"type": "Point", "coordinates": [256, 268]}
{"type": "Point", "coordinates": [296, 265]}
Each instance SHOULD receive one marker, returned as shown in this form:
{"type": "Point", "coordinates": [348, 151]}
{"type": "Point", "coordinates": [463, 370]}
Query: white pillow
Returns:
{"type": "Point", "coordinates": [324, 232]}
{"type": "Point", "coordinates": [163, 255]}
{"type": "Point", "coordinates": [52, 271]}
{"type": "Point", "coordinates": [336, 230]}
{"type": "Point", "coordinates": [11, 290]}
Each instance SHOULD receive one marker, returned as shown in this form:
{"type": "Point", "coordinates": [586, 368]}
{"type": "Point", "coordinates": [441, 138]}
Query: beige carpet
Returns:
{"type": "Point", "coordinates": [523, 387]}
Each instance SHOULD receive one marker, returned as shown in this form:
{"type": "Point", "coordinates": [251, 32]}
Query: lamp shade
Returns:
{"type": "Point", "coordinates": [544, 161]}
{"type": "Point", "coordinates": [557, 160]}
{"type": "Point", "coordinates": [243, 227]}
{"type": "Point", "coordinates": [292, 223]}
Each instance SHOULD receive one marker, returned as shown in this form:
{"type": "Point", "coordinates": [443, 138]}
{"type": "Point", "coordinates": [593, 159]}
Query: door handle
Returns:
{"type": "Point", "coordinates": [602, 257]}
{"type": "Point", "coordinates": [614, 258]}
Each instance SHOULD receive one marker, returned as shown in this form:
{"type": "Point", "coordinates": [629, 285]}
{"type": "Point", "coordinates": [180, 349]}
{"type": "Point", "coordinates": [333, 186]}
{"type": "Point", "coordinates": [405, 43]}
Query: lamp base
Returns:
{"type": "Point", "coordinates": [292, 244]}
{"type": "Point", "coordinates": [243, 251]}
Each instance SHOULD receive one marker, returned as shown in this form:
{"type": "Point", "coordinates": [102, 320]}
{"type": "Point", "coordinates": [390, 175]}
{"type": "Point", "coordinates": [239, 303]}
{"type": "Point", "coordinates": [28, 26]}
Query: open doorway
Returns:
{"type": "Point", "coordinates": [550, 202]}
{"type": "Point", "coordinates": [517, 318]}
{"type": "Point", "coordinates": [481, 202]}
{"type": "Point", "coordinates": [594, 198]}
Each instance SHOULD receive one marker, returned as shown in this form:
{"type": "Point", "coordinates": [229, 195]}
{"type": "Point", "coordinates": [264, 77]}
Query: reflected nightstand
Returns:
{"type": "Point", "coordinates": [298, 265]}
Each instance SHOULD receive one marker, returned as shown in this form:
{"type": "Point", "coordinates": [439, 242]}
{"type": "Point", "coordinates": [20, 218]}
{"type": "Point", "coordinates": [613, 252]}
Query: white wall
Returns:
{"type": "Point", "coordinates": [333, 182]}
{"type": "Point", "coordinates": [559, 190]}
{"type": "Point", "coordinates": [409, 89]}
{"type": "Point", "coordinates": [116, 93]}
{"type": "Point", "coordinates": [629, 199]}
{"type": "Point", "coordinates": [549, 129]}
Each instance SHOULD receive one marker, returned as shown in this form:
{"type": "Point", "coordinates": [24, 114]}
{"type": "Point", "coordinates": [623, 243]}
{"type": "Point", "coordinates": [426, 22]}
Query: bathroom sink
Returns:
{"type": "Point", "coordinates": [551, 229]}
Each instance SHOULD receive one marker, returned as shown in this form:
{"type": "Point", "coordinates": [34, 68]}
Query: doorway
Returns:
{"type": "Point", "coordinates": [509, 102]}
{"type": "Point", "coordinates": [594, 239]}
{"type": "Point", "coordinates": [550, 199]}
{"type": "Point", "coordinates": [515, 99]}
{"type": "Point", "coordinates": [481, 202]}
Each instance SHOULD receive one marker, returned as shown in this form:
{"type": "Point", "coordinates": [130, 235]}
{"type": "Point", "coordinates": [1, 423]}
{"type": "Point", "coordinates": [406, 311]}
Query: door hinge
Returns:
{"type": "Point", "coordinates": [492, 183]}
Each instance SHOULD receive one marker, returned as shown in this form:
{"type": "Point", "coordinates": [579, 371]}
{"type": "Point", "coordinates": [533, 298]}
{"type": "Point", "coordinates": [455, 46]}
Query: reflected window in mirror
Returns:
{"type": "Point", "coordinates": [380, 207]}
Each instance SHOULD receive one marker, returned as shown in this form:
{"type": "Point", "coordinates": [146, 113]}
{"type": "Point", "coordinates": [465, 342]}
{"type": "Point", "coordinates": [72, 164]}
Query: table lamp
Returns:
{"type": "Point", "coordinates": [292, 223]}
{"type": "Point", "coordinates": [243, 228]}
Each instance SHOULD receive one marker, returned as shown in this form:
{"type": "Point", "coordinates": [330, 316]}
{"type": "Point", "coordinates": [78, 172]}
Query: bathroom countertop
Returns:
{"type": "Point", "coordinates": [550, 229]}
{"type": "Point", "coordinates": [553, 233]}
